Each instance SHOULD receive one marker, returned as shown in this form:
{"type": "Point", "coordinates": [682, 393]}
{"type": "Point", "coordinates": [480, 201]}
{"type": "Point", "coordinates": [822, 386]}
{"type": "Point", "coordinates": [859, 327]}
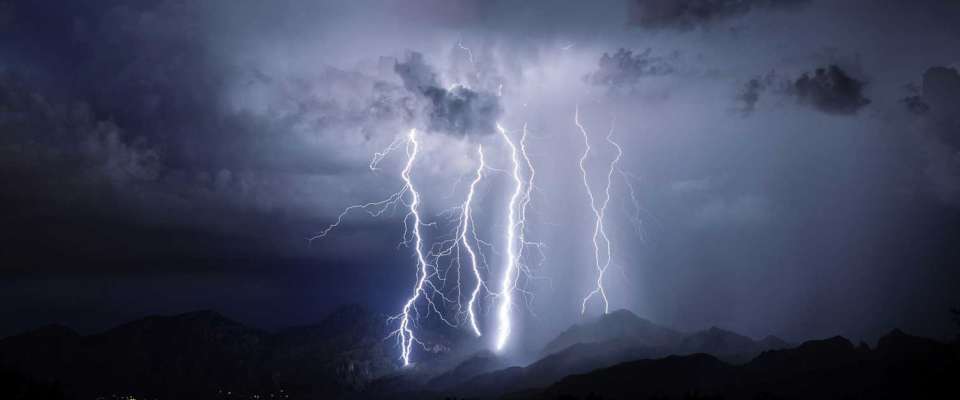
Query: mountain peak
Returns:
{"type": "Point", "coordinates": [898, 344]}
{"type": "Point", "coordinates": [201, 314]}
{"type": "Point", "coordinates": [772, 342]}
{"type": "Point", "coordinates": [349, 314]}
{"type": "Point", "coordinates": [481, 362]}
{"type": "Point", "coordinates": [619, 324]}
{"type": "Point", "coordinates": [621, 313]}
{"type": "Point", "coordinates": [719, 341]}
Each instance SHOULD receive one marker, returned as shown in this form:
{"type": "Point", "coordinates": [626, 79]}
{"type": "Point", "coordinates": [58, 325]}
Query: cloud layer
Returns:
{"type": "Point", "coordinates": [688, 14]}
{"type": "Point", "coordinates": [150, 145]}
{"type": "Point", "coordinates": [456, 110]}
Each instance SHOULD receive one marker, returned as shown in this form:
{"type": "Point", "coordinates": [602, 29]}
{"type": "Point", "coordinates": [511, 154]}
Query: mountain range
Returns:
{"type": "Point", "coordinates": [203, 355]}
{"type": "Point", "coordinates": [900, 367]}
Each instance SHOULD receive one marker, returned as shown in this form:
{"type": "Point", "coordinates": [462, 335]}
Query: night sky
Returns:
{"type": "Point", "coordinates": [796, 163]}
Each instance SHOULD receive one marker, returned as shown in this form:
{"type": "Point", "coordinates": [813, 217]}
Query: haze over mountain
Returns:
{"type": "Point", "coordinates": [617, 325]}
{"type": "Point", "coordinates": [900, 367]}
{"type": "Point", "coordinates": [608, 340]}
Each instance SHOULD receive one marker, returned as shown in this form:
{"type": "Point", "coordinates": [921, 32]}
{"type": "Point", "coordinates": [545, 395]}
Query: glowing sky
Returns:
{"type": "Point", "coordinates": [164, 156]}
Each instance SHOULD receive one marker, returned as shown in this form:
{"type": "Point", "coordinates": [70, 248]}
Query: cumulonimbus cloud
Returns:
{"type": "Point", "coordinates": [689, 14]}
{"type": "Point", "coordinates": [457, 109]}
{"type": "Point", "coordinates": [625, 67]}
{"type": "Point", "coordinates": [830, 90]}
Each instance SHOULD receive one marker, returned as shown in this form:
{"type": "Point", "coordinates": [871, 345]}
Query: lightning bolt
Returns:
{"type": "Point", "coordinates": [405, 331]}
{"type": "Point", "coordinates": [637, 209]}
{"type": "Point", "coordinates": [508, 282]}
{"type": "Point", "coordinates": [467, 219]}
{"type": "Point", "coordinates": [376, 208]}
{"type": "Point", "coordinates": [440, 263]}
{"type": "Point", "coordinates": [380, 155]}
{"type": "Point", "coordinates": [424, 289]}
{"type": "Point", "coordinates": [603, 213]}
{"type": "Point", "coordinates": [599, 212]}
{"type": "Point", "coordinates": [467, 49]}
{"type": "Point", "coordinates": [524, 203]}
{"type": "Point", "coordinates": [476, 73]}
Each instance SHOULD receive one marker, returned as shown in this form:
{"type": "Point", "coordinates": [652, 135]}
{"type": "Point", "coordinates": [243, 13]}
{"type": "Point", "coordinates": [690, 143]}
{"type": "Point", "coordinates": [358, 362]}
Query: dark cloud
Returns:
{"type": "Point", "coordinates": [916, 105]}
{"type": "Point", "coordinates": [140, 97]}
{"type": "Point", "coordinates": [626, 68]}
{"type": "Point", "coordinates": [46, 136]}
{"type": "Point", "coordinates": [831, 90]}
{"type": "Point", "coordinates": [941, 87]}
{"type": "Point", "coordinates": [131, 142]}
{"type": "Point", "coordinates": [455, 110]}
{"type": "Point", "coordinates": [688, 14]}
{"type": "Point", "coordinates": [937, 106]}
{"type": "Point", "coordinates": [939, 100]}
{"type": "Point", "coordinates": [416, 74]}
{"type": "Point", "coordinates": [750, 95]}
{"type": "Point", "coordinates": [152, 136]}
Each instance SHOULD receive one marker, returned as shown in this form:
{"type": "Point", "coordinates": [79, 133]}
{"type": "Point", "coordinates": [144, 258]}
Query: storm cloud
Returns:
{"type": "Point", "coordinates": [939, 101]}
{"type": "Point", "coordinates": [938, 114]}
{"type": "Point", "coordinates": [831, 90]}
{"type": "Point", "coordinates": [456, 109]}
{"type": "Point", "coordinates": [688, 14]}
{"type": "Point", "coordinates": [625, 68]}
{"type": "Point", "coordinates": [167, 155]}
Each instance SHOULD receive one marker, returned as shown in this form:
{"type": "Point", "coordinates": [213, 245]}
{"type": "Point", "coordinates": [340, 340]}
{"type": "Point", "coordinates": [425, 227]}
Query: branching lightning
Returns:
{"type": "Point", "coordinates": [380, 155]}
{"type": "Point", "coordinates": [439, 256]}
{"type": "Point", "coordinates": [636, 209]}
{"type": "Point", "coordinates": [515, 235]}
{"type": "Point", "coordinates": [431, 291]}
{"type": "Point", "coordinates": [467, 224]}
{"type": "Point", "coordinates": [523, 267]}
{"type": "Point", "coordinates": [424, 288]}
{"type": "Point", "coordinates": [376, 208]}
{"type": "Point", "coordinates": [466, 49]}
{"type": "Point", "coordinates": [508, 281]}
{"type": "Point", "coordinates": [599, 212]}
{"type": "Point", "coordinates": [405, 332]}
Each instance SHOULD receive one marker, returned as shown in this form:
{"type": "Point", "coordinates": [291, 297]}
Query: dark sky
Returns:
{"type": "Point", "coordinates": [796, 163]}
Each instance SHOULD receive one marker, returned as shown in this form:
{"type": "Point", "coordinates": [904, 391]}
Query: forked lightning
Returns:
{"type": "Point", "coordinates": [601, 263]}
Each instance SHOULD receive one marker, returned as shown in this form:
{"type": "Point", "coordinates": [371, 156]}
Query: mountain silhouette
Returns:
{"type": "Point", "coordinates": [179, 356]}
{"type": "Point", "coordinates": [902, 366]}
{"type": "Point", "coordinates": [606, 341]}
{"type": "Point", "coordinates": [344, 352]}
{"type": "Point", "coordinates": [479, 363]}
{"type": "Point", "coordinates": [617, 325]}
{"type": "Point", "coordinates": [576, 359]}
{"type": "Point", "coordinates": [204, 354]}
{"type": "Point", "coordinates": [728, 346]}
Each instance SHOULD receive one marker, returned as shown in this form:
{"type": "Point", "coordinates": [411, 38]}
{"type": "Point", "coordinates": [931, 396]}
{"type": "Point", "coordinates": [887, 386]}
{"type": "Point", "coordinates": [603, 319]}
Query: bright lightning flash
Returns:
{"type": "Point", "coordinates": [424, 288]}
{"type": "Point", "coordinates": [509, 279]}
{"type": "Point", "coordinates": [432, 284]}
{"type": "Point", "coordinates": [405, 332]}
{"type": "Point", "coordinates": [599, 212]}
{"type": "Point", "coordinates": [467, 224]}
